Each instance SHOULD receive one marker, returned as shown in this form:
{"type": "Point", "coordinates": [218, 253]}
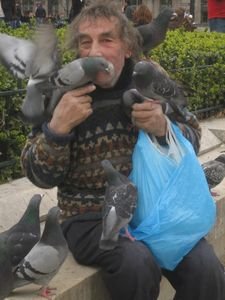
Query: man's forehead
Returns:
{"type": "Point", "coordinates": [103, 24]}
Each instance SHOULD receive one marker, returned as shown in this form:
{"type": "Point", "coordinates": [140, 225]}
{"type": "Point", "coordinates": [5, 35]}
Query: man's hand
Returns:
{"type": "Point", "coordinates": [149, 116]}
{"type": "Point", "coordinates": [72, 109]}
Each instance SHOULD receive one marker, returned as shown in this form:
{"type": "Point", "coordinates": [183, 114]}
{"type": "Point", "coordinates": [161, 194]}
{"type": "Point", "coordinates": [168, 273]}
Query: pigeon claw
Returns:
{"type": "Point", "coordinates": [214, 194]}
{"type": "Point", "coordinates": [128, 235]}
{"type": "Point", "coordinates": [46, 292]}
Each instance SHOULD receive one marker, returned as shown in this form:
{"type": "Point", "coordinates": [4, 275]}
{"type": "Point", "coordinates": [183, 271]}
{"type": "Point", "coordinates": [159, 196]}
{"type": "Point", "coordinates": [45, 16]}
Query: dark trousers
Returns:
{"type": "Point", "coordinates": [130, 271]}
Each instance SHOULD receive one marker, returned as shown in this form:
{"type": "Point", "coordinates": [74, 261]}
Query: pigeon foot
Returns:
{"type": "Point", "coordinates": [129, 236]}
{"type": "Point", "coordinates": [46, 292]}
{"type": "Point", "coordinates": [214, 194]}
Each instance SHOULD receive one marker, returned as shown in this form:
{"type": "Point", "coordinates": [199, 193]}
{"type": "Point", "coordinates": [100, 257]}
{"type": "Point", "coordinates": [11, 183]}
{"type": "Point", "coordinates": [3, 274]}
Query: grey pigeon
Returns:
{"type": "Point", "coordinates": [44, 260]}
{"type": "Point", "coordinates": [76, 74]}
{"type": "Point", "coordinates": [35, 59]}
{"type": "Point", "coordinates": [22, 236]}
{"type": "Point", "coordinates": [214, 170]}
{"type": "Point", "coordinates": [6, 272]}
{"type": "Point", "coordinates": [119, 205]}
{"type": "Point", "coordinates": [152, 81]}
{"type": "Point", "coordinates": [154, 33]}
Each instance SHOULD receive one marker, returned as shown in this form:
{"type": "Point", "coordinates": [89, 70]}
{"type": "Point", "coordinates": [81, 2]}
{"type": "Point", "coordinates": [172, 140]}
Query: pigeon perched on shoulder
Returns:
{"type": "Point", "coordinates": [119, 205]}
{"type": "Point", "coordinates": [154, 33]}
{"type": "Point", "coordinates": [76, 74]}
{"type": "Point", "coordinates": [153, 82]}
{"type": "Point", "coordinates": [44, 260]}
{"type": "Point", "coordinates": [6, 272]}
{"type": "Point", "coordinates": [214, 170]}
{"type": "Point", "coordinates": [22, 236]}
{"type": "Point", "coordinates": [35, 59]}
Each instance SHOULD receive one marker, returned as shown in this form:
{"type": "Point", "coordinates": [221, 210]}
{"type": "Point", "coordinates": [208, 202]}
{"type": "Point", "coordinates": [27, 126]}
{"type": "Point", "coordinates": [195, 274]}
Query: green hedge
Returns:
{"type": "Point", "coordinates": [196, 58]}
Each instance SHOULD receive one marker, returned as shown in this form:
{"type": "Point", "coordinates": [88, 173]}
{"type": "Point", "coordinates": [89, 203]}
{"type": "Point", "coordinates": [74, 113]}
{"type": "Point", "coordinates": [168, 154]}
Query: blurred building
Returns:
{"type": "Point", "coordinates": [198, 8]}
{"type": "Point", "coordinates": [52, 7]}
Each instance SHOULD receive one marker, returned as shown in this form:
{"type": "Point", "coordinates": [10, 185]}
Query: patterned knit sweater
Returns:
{"type": "Point", "coordinates": [74, 166]}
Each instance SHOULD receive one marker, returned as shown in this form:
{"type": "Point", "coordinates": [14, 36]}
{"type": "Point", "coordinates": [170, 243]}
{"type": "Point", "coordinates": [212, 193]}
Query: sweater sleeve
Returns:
{"type": "Point", "coordinates": [192, 131]}
{"type": "Point", "coordinates": [45, 161]}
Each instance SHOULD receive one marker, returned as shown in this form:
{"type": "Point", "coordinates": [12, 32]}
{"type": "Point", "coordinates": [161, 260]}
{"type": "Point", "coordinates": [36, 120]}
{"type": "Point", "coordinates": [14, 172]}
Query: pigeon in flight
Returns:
{"type": "Point", "coordinates": [119, 205]}
{"type": "Point", "coordinates": [154, 33]}
{"type": "Point", "coordinates": [22, 236]}
{"type": "Point", "coordinates": [214, 170]}
{"type": "Point", "coordinates": [39, 61]}
{"type": "Point", "coordinates": [153, 82]}
{"type": "Point", "coordinates": [44, 260]}
{"type": "Point", "coordinates": [35, 59]}
{"type": "Point", "coordinates": [6, 272]}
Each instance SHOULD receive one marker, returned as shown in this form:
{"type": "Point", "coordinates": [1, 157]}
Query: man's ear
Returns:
{"type": "Point", "coordinates": [128, 54]}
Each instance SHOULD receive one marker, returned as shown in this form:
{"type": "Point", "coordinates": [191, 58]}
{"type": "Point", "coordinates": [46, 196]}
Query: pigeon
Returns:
{"type": "Point", "coordinates": [119, 205]}
{"type": "Point", "coordinates": [6, 272]}
{"type": "Point", "coordinates": [39, 61]}
{"type": "Point", "coordinates": [44, 260]}
{"type": "Point", "coordinates": [22, 236]}
{"type": "Point", "coordinates": [33, 59]}
{"type": "Point", "coordinates": [154, 33]}
{"type": "Point", "coordinates": [76, 74]}
{"type": "Point", "coordinates": [153, 82]}
{"type": "Point", "coordinates": [214, 170]}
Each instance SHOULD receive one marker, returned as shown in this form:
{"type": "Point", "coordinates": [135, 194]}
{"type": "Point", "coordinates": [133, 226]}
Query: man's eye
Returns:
{"type": "Point", "coordinates": [85, 43]}
{"type": "Point", "coordinates": [107, 40]}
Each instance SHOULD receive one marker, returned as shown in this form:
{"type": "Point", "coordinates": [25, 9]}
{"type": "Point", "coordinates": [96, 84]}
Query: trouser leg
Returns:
{"type": "Point", "coordinates": [199, 276]}
{"type": "Point", "coordinates": [129, 270]}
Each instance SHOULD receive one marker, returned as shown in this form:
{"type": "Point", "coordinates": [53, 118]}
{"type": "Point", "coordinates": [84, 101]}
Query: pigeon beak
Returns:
{"type": "Point", "coordinates": [110, 68]}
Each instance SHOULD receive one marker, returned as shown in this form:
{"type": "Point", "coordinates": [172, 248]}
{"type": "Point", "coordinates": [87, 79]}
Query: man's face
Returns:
{"type": "Point", "coordinates": [100, 37]}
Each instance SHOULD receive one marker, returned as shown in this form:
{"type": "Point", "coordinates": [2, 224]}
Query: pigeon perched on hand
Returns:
{"type": "Point", "coordinates": [6, 272]}
{"type": "Point", "coordinates": [214, 170]}
{"type": "Point", "coordinates": [154, 33]}
{"type": "Point", "coordinates": [75, 74]}
{"type": "Point", "coordinates": [119, 204]}
{"type": "Point", "coordinates": [22, 236]}
{"type": "Point", "coordinates": [153, 82]}
{"type": "Point", "coordinates": [44, 260]}
{"type": "Point", "coordinates": [35, 59]}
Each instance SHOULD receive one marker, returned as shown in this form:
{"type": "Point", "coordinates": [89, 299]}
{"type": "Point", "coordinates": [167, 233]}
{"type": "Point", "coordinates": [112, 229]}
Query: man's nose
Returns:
{"type": "Point", "coordinates": [95, 49]}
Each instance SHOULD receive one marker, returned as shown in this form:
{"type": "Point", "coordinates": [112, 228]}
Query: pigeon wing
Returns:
{"type": "Point", "coordinates": [16, 55]}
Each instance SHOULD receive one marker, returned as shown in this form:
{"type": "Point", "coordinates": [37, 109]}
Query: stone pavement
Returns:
{"type": "Point", "coordinates": [84, 283]}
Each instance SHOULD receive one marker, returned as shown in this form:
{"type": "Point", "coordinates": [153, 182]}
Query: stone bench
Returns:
{"type": "Point", "coordinates": [73, 280]}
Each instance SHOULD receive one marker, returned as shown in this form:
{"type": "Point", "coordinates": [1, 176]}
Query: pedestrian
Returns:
{"type": "Point", "coordinates": [88, 125]}
{"type": "Point", "coordinates": [40, 14]}
{"type": "Point", "coordinates": [142, 15]}
{"type": "Point", "coordinates": [76, 7]}
{"type": "Point", "coordinates": [8, 7]}
{"type": "Point", "coordinates": [216, 15]}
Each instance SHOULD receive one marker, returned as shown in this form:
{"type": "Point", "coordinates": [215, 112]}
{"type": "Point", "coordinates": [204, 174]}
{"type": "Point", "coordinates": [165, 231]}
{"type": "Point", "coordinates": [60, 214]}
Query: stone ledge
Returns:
{"type": "Point", "coordinates": [84, 283]}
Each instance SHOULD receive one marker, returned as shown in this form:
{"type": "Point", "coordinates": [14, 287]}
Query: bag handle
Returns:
{"type": "Point", "coordinates": [174, 149]}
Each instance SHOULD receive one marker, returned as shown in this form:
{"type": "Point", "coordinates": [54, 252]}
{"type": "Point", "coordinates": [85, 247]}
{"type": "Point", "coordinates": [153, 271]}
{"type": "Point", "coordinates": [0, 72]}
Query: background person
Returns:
{"type": "Point", "coordinates": [216, 15]}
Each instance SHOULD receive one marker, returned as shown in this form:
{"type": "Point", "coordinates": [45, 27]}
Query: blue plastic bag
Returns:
{"type": "Point", "coordinates": [175, 208]}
